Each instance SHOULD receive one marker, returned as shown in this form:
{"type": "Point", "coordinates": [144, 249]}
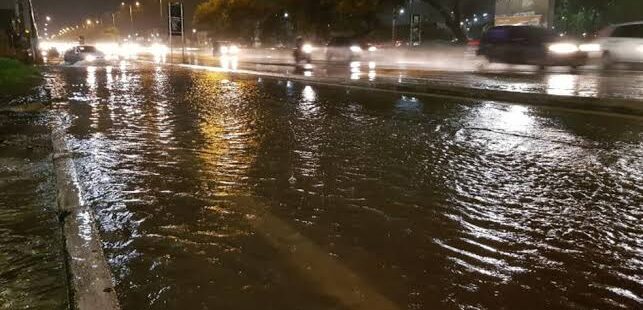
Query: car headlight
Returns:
{"type": "Point", "coordinates": [563, 48]}
{"type": "Point", "coordinates": [90, 58]}
{"type": "Point", "coordinates": [307, 48]}
{"type": "Point", "coordinates": [372, 49]}
{"type": "Point", "coordinates": [356, 49]}
{"type": "Point", "coordinates": [590, 47]}
{"type": "Point", "coordinates": [234, 50]}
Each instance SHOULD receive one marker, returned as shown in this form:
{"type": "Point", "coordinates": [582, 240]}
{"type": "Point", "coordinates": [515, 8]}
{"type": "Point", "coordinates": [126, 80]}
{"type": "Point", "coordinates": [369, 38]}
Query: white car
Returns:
{"type": "Point", "coordinates": [621, 44]}
{"type": "Point", "coordinates": [85, 53]}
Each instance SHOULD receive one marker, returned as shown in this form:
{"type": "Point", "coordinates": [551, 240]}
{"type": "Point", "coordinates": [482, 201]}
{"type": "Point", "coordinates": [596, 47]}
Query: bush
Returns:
{"type": "Point", "coordinates": [16, 77]}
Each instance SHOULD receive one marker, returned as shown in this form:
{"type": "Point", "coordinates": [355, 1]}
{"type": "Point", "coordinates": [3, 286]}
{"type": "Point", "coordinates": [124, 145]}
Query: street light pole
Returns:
{"type": "Point", "coordinates": [396, 13]}
{"type": "Point", "coordinates": [161, 10]}
{"type": "Point", "coordinates": [393, 28]}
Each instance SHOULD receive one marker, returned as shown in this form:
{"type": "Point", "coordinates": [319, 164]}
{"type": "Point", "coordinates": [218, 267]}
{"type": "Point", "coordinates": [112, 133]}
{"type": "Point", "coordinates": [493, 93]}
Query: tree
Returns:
{"type": "Point", "coordinates": [582, 16]}
{"type": "Point", "coordinates": [589, 16]}
{"type": "Point", "coordinates": [241, 19]}
{"type": "Point", "coordinates": [452, 16]}
{"type": "Point", "coordinates": [233, 19]}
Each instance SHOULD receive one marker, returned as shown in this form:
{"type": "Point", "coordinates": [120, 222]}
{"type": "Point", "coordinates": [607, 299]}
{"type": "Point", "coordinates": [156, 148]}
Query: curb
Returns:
{"type": "Point", "coordinates": [89, 278]}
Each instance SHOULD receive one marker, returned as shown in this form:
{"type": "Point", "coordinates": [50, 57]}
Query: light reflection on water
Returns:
{"type": "Point", "coordinates": [219, 191]}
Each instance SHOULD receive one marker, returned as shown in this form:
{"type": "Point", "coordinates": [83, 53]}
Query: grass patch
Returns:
{"type": "Point", "coordinates": [16, 77]}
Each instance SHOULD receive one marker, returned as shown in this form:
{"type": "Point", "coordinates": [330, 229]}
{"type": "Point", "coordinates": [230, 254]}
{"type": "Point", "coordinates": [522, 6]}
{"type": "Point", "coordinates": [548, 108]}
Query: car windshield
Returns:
{"type": "Point", "coordinates": [629, 31]}
{"type": "Point", "coordinates": [514, 33]}
{"type": "Point", "coordinates": [87, 49]}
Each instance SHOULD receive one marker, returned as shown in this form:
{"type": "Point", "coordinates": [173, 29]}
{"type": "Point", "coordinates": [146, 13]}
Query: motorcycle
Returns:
{"type": "Point", "coordinates": [303, 54]}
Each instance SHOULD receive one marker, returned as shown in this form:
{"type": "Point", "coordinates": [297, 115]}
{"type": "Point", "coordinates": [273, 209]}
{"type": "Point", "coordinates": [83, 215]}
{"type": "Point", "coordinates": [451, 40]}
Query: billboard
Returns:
{"type": "Point", "coordinates": [525, 12]}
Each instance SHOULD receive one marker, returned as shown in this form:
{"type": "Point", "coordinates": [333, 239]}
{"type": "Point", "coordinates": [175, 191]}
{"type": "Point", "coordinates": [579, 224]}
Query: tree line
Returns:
{"type": "Point", "coordinates": [278, 20]}
{"type": "Point", "coordinates": [273, 21]}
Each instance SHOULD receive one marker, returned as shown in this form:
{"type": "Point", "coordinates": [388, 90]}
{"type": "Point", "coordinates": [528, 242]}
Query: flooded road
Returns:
{"type": "Point", "coordinates": [215, 191]}
{"type": "Point", "coordinates": [32, 270]}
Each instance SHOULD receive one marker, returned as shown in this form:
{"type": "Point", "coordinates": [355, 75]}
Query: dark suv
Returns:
{"type": "Point", "coordinates": [348, 49]}
{"type": "Point", "coordinates": [529, 45]}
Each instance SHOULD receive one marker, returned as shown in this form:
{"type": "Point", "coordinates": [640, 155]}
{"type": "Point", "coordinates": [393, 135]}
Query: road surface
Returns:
{"type": "Point", "coordinates": [224, 191]}
{"type": "Point", "coordinates": [453, 70]}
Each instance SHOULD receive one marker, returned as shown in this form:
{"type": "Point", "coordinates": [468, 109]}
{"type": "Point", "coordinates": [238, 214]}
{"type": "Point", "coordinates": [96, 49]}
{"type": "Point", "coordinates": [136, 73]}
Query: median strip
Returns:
{"type": "Point", "coordinates": [622, 107]}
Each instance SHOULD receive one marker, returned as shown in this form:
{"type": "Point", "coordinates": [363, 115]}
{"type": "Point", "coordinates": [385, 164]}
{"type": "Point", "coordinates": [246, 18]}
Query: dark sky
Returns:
{"type": "Point", "coordinates": [69, 12]}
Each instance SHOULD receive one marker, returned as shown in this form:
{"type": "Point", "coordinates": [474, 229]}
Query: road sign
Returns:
{"type": "Point", "coordinates": [416, 30]}
{"type": "Point", "coordinates": [176, 19]}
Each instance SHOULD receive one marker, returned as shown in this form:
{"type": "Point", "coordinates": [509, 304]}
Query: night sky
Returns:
{"type": "Point", "coordinates": [70, 12]}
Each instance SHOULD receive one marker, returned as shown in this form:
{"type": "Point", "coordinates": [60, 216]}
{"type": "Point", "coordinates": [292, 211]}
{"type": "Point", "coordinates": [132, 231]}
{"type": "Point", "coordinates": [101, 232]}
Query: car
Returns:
{"type": "Point", "coordinates": [225, 48]}
{"type": "Point", "coordinates": [347, 49]}
{"type": "Point", "coordinates": [620, 44]}
{"type": "Point", "coordinates": [86, 53]}
{"type": "Point", "coordinates": [529, 45]}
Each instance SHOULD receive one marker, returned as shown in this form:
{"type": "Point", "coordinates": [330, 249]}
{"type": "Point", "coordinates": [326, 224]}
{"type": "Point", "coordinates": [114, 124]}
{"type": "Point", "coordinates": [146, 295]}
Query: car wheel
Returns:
{"type": "Point", "coordinates": [608, 61]}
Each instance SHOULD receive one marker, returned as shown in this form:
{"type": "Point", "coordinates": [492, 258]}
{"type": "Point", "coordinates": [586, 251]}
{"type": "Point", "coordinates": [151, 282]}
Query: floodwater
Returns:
{"type": "Point", "coordinates": [32, 270]}
{"type": "Point", "coordinates": [216, 191]}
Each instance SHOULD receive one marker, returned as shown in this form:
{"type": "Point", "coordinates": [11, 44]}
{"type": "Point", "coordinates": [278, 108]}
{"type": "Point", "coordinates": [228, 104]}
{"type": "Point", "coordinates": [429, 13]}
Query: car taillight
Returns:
{"type": "Point", "coordinates": [473, 43]}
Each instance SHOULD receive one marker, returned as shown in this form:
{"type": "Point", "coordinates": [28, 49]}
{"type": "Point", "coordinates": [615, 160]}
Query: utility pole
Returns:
{"type": "Point", "coordinates": [33, 30]}
{"type": "Point", "coordinates": [551, 14]}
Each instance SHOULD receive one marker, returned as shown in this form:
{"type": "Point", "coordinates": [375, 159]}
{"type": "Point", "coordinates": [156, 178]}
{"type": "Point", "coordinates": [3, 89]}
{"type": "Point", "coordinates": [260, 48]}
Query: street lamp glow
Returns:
{"type": "Point", "coordinates": [138, 3]}
{"type": "Point", "coordinates": [89, 22]}
{"type": "Point", "coordinates": [401, 11]}
{"type": "Point", "coordinates": [286, 15]}
{"type": "Point", "coordinates": [193, 30]}
{"type": "Point", "coordinates": [48, 18]}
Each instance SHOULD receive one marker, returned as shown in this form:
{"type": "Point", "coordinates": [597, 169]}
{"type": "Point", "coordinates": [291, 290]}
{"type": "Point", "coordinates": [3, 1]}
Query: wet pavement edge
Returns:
{"type": "Point", "coordinates": [90, 279]}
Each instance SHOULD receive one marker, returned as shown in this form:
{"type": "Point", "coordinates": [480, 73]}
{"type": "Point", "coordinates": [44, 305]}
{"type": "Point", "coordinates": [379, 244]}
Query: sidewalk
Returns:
{"type": "Point", "coordinates": [32, 267]}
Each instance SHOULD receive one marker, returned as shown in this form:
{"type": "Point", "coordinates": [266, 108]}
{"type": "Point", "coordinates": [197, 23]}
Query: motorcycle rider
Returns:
{"type": "Point", "coordinates": [299, 53]}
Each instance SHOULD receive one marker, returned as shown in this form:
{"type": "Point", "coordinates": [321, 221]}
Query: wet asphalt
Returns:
{"type": "Point", "coordinates": [32, 269]}
{"type": "Point", "coordinates": [225, 191]}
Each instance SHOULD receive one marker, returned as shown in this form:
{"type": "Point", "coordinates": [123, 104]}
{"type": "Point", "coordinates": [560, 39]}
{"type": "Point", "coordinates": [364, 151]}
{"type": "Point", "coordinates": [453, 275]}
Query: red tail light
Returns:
{"type": "Point", "coordinates": [473, 43]}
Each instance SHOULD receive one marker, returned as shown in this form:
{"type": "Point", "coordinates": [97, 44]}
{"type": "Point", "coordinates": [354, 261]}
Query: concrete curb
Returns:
{"type": "Point", "coordinates": [90, 280]}
{"type": "Point", "coordinates": [629, 107]}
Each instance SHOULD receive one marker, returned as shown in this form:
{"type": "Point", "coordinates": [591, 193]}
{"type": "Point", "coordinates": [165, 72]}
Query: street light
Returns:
{"type": "Point", "coordinates": [396, 14]}
{"type": "Point", "coordinates": [48, 18]}
{"type": "Point", "coordinates": [131, 11]}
